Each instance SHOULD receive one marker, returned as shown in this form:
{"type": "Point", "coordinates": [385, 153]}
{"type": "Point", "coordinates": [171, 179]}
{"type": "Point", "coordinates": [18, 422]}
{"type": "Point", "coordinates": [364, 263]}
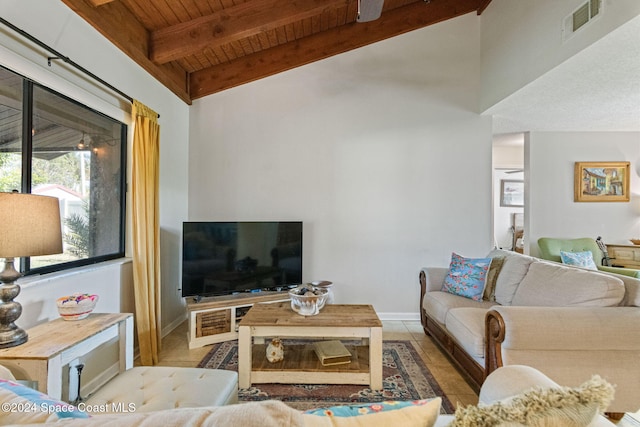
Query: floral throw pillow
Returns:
{"type": "Point", "coordinates": [467, 276]}
{"type": "Point", "coordinates": [578, 259]}
{"type": "Point", "coordinates": [416, 413]}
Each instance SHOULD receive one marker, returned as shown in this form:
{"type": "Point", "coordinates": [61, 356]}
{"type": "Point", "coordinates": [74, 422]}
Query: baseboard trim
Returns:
{"type": "Point", "coordinates": [399, 316]}
{"type": "Point", "coordinates": [100, 380]}
{"type": "Point", "coordinates": [171, 326]}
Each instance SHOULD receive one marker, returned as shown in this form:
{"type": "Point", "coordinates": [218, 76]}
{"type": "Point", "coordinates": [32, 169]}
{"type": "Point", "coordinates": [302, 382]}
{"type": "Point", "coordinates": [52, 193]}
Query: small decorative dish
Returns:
{"type": "Point", "coordinates": [308, 300]}
{"type": "Point", "coordinates": [76, 306]}
{"type": "Point", "coordinates": [635, 241]}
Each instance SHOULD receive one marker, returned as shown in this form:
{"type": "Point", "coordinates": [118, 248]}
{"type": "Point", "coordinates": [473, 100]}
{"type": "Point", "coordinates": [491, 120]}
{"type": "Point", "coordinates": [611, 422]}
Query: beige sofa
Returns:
{"type": "Point", "coordinates": [505, 385]}
{"type": "Point", "coordinates": [567, 322]}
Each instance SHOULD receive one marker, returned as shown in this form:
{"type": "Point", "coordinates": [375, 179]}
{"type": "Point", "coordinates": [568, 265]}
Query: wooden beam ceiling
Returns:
{"type": "Point", "coordinates": [122, 28]}
{"type": "Point", "coordinates": [325, 44]}
{"type": "Point", "coordinates": [232, 24]}
{"type": "Point", "coordinates": [200, 47]}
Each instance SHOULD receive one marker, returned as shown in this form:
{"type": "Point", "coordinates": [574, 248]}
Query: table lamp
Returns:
{"type": "Point", "coordinates": [29, 226]}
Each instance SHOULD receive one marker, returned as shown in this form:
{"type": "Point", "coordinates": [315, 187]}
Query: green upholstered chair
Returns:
{"type": "Point", "coordinates": [550, 250]}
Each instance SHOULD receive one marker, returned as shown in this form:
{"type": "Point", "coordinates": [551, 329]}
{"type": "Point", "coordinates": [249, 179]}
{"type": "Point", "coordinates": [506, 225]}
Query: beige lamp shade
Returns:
{"type": "Point", "coordinates": [29, 225]}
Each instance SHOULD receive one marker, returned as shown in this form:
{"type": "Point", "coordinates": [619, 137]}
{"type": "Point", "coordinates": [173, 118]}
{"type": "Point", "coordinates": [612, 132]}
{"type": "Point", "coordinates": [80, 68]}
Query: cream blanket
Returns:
{"type": "Point", "coordinates": [270, 413]}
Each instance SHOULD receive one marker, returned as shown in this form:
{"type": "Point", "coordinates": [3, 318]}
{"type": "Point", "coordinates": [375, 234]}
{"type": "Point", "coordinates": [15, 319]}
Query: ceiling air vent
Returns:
{"type": "Point", "coordinates": [580, 17]}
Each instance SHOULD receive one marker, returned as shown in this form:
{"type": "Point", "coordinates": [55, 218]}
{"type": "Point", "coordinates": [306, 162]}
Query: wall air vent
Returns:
{"type": "Point", "coordinates": [580, 17]}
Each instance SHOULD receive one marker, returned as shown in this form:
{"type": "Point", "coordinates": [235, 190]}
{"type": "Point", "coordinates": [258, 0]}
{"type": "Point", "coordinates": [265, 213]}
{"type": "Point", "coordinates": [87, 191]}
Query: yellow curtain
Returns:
{"type": "Point", "coordinates": [146, 230]}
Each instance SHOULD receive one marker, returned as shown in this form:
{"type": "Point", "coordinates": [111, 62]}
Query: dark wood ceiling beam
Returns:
{"type": "Point", "coordinates": [326, 44]}
{"type": "Point", "coordinates": [483, 5]}
{"type": "Point", "coordinates": [232, 24]}
{"type": "Point", "coordinates": [114, 21]}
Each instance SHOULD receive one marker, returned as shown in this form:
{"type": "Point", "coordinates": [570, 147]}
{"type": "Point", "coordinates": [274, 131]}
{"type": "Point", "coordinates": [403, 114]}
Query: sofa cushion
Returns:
{"type": "Point", "coordinates": [467, 276]}
{"type": "Point", "coordinates": [513, 270]}
{"type": "Point", "coordinates": [579, 259]}
{"type": "Point", "coordinates": [437, 304]}
{"type": "Point", "coordinates": [466, 325]}
{"type": "Point", "coordinates": [553, 285]}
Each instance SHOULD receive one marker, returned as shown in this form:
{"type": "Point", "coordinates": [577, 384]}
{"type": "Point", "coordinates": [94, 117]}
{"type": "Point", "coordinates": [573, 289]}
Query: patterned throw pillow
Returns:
{"type": "Point", "coordinates": [416, 413]}
{"type": "Point", "coordinates": [467, 277]}
{"type": "Point", "coordinates": [24, 405]}
{"type": "Point", "coordinates": [578, 259]}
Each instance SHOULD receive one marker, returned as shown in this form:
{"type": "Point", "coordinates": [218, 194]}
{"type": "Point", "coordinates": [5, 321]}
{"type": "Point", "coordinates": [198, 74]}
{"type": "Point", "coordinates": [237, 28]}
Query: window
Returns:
{"type": "Point", "coordinates": [54, 146]}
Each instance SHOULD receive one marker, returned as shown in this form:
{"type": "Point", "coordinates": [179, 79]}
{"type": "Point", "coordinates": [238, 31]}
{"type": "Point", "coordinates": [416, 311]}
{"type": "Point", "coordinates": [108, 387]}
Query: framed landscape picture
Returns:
{"type": "Point", "coordinates": [511, 193]}
{"type": "Point", "coordinates": [601, 182]}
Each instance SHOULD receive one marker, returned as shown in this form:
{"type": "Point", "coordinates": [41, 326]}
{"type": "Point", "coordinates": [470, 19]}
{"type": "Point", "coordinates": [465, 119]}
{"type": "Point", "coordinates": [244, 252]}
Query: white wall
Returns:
{"type": "Point", "coordinates": [551, 210]}
{"type": "Point", "coordinates": [111, 280]}
{"type": "Point", "coordinates": [56, 25]}
{"type": "Point", "coordinates": [522, 40]}
{"type": "Point", "coordinates": [381, 152]}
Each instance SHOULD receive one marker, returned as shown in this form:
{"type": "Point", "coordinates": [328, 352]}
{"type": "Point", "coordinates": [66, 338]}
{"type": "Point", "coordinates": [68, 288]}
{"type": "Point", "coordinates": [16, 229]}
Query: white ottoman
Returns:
{"type": "Point", "coordinates": [161, 387]}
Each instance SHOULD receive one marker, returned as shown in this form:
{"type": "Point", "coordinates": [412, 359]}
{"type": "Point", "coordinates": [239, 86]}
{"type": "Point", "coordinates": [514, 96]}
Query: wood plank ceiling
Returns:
{"type": "Point", "coordinates": [200, 47]}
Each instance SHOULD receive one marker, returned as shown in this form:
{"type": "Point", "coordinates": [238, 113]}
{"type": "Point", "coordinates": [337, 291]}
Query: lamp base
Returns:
{"type": "Point", "coordinates": [10, 310]}
{"type": "Point", "coordinates": [13, 337]}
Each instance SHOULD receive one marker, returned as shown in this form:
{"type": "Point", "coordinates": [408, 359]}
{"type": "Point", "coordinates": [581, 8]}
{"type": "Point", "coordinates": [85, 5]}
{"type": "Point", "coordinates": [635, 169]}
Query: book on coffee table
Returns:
{"type": "Point", "coordinates": [332, 353]}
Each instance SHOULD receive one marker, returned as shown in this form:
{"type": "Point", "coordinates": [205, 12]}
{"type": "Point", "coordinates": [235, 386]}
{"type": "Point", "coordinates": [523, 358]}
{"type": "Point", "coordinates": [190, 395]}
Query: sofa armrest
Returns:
{"type": "Point", "coordinates": [568, 342]}
{"type": "Point", "coordinates": [433, 278]}
{"type": "Point", "coordinates": [518, 328]}
{"type": "Point", "coordinates": [511, 380]}
{"type": "Point", "coordinates": [621, 270]}
{"type": "Point", "coordinates": [569, 328]}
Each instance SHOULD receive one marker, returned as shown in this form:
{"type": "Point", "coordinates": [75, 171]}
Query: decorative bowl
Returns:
{"type": "Point", "coordinates": [308, 300]}
{"type": "Point", "coordinates": [635, 241]}
{"type": "Point", "coordinates": [325, 284]}
{"type": "Point", "coordinates": [76, 306]}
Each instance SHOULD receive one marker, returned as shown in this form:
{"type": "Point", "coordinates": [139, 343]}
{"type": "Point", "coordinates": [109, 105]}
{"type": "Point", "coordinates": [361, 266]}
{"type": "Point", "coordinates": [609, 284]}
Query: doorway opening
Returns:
{"type": "Point", "coordinates": [508, 192]}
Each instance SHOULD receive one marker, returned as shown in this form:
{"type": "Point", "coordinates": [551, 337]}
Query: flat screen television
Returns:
{"type": "Point", "coordinates": [222, 258]}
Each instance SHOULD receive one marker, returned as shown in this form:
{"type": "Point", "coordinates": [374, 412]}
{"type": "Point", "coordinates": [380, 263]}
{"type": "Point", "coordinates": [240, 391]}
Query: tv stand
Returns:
{"type": "Point", "coordinates": [215, 319]}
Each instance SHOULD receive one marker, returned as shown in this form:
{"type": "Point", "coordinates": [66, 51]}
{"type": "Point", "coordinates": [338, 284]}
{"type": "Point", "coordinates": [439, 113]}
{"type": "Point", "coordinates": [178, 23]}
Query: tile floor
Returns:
{"type": "Point", "coordinates": [175, 352]}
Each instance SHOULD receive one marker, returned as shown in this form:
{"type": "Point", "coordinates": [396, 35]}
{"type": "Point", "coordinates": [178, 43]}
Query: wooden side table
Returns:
{"type": "Point", "coordinates": [300, 365]}
{"type": "Point", "coordinates": [54, 344]}
{"type": "Point", "coordinates": [627, 256]}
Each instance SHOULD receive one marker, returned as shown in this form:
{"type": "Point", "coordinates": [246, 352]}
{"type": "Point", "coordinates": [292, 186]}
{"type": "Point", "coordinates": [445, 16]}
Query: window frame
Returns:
{"type": "Point", "coordinates": [26, 175]}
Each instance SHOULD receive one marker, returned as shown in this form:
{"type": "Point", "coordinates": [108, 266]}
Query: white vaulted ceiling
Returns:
{"type": "Point", "coordinates": [597, 89]}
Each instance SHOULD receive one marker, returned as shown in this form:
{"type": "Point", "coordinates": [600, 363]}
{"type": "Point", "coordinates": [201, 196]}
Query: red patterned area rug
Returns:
{"type": "Point", "coordinates": [405, 377]}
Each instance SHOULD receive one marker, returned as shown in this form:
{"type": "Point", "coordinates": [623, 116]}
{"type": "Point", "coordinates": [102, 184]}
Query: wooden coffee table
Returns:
{"type": "Point", "coordinates": [300, 364]}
